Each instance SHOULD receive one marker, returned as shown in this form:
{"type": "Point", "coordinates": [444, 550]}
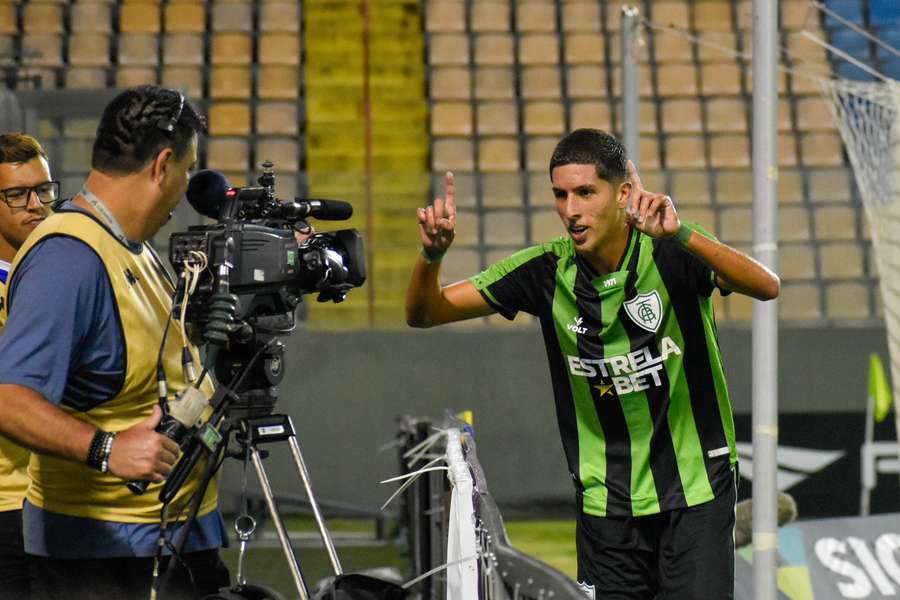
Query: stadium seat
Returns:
{"type": "Point", "coordinates": [282, 152]}
{"type": "Point", "coordinates": [448, 49]}
{"type": "Point", "coordinates": [228, 16]}
{"type": "Point", "coordinates": [726, 114]}
{"type": "Point", "coordinates": [671, 14]}
{"type": "Point", "coordinates": [847, 300]}
{"type": "Point", "coordinates": [42, 49]}
{"type": "Point", "coordinates": [540, 82]}
{"type": "Point", "coordinates": [497, 118]}
{"type": "Point", "coordinates": [787, 150]}
{"type": "Point", "coordinates": [796, 262]}
{"type": "Point", "coordinates": [187, 79]}
{"type": "Point", "coordinates": [682, 115]}
{"type": "Point", "coordinates": [494, 49]}
{"type": "Point", "coordinates": [822, 149]}
{"type": "Point", "coordinates": [793, 223]}
{"type": "Point", "coordinates": [451, 118]}
{"type": "Point", "coordinates": [279, 16]}
{"type": "Point", "coordinates": [42, 18]}
{"type": "Point", "coordinates": [646, 115]}
{"type": "Point", "coordinates": [829, 185]}
{"type": "Point", "coordinates": [734, 186]}
{"type": "Point", "coordinates": [796, 14]}
{"type": "Point", "coordinates": [544, 117]}
{"type": "Point", "coordinates": [836, 222]}
{"type": "Point", "coordinates": [734, 224]}
{"type": "Point", "coordinates": [505, 228]}
{"type": "Point", "coordinates": [450, 83]}
{"type": "Point", "coordinates": [645, 81]}
{"type": "Point", "coordinates": [452, 154]}
{"type": "Point", "coordinates": [687, 187]}
{"type": "Point", "coordinates": [501, 190]}
{"type": "Point", "coordinates": [138, 50]}
{"type": "Point", "coordinates": [684, 151]}
{"type": "Point", "coordinates": [850, 10]}
{"type": "Point", "coordinates": [227, 154]}
{"type": "Point", "coordinates": [183, 49]}
{"type": "Point", "coordinates": [185, 17]}
{"type": "Point", "coordinates": [445, 15]}
{"type": "Point", "coordinates": [584, 48]}
{"type": "Point", "coordinates": [86, 78]}
{"type": "Point", "coordinates": [718, 79]}
{"type": "Point", "coordinates": [586, 81]}
{"type": "Point", "coordinates": [231, 49]}
{"type": "Point", "coordinates": [76, 154]}
{"type": "Point", "coordinates": [841, 260]}
{"type": "Point", "coordinates": [883, 12]}
{"type": "Point", "coordinates": [229, 118]}
{"type": "Point", "coordinates": [8, 24]}
{"type": "Point", "coordinates": [712, 16]}
{"type": "Point", "coordinates": [580, 15]}
{"type": "Point", "coordinates": [545, 226]}
{"type": "Point", "coordinates": [799, 301]}
{"type": "Point", "coordinates": [593, 114]}
{"type": "Point", "coordinates": [498, 154]}
{"type": "Point", "coordinates": [279, 49]}
{"type": "Point", "coordinates": [489, 15]}
{"type": "Point", "coordinates": [277, 82]}
{"type": "Point", "coordinates": [494, 83]}
{"type": "Point", "coordinates": [649, 155]}
{"type": "Point", "coordinates": [790, 186]}
{"type": "Point", "coordinates": [139, 18]}
{"type": "Point", "coordinates": [88, 50]}
{"type": "Point", "coordinates": [126, 77]}
{"type": "Point", "coordinates": [718, 46]}
{"type": "Point", "coordinates": [729, 151]}
{"type": "Point", "coordinates": [535, 16]}
{"type": "Point", "coordinates": [230, 83]}
{"type": "Point", "coordinates": [277, 118]}
{"type": "Point", "coordinates": [461, 264]}
{"type": "Point", "coordinates": [539, 48]}
{"type": "Point", "coordinates": [466, 230]}
{"type": "Point", "coordinates": [813, 114]}
{"type": "Point", "coordinates": [538, 151]}
{"type": "Point", "coordinates": [677, 79]}
{"type": "Point", "coordinates": [802, 50]}
{"type": "Point", "coordinates": [668, 47]}
{"type": "Point", "coordinates": [785, 121]}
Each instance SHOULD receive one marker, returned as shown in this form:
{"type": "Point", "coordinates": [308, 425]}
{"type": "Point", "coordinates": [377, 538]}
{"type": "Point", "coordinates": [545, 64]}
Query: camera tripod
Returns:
{"type": "Point", "coordinates": [252, 432]}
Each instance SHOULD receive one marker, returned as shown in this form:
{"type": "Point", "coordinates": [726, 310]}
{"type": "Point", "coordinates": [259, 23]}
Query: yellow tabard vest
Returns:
{"type": "Point", "coordinates": [13, 458]}
{"type": "Point", "coordinates": [143, 295]}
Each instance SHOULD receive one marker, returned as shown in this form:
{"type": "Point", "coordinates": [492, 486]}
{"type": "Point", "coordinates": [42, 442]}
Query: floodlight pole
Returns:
{"type": "Point", "coordinates": [630, 97]}
{"type": "Point", "coordinates": [765, 314]}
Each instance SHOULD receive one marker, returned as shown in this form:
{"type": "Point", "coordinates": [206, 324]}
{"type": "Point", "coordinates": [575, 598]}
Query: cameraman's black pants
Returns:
{"type": "Point", "coordinates": [13, 560]}
{"type": "Point", "coordinates": [126, 578]}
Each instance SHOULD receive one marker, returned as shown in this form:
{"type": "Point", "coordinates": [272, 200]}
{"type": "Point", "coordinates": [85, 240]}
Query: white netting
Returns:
{"type": "Point", "coordinates": [868, 116]}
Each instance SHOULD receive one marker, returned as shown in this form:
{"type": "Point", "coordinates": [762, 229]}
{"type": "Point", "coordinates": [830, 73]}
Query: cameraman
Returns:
{"type": "Point", "coordinates": [78, 383]}
{"type": "Point", "coordinates": [26, 192]}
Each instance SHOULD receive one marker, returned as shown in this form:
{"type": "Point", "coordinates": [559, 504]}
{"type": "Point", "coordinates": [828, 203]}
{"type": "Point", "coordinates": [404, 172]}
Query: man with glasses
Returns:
{"type": "Point", "coordinates": [84, 347]}
{"type": "Point", "coordinates": [27, 192]}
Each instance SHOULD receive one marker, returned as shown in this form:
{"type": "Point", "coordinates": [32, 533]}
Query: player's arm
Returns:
{"type": "Point", "coordinates": [427, 303]}
{"type": "Point", "coordinates": [655, 215]}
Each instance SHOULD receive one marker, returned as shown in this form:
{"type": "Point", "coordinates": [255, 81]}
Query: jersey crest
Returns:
{"type": "Point", "coordinates": [645, 310]}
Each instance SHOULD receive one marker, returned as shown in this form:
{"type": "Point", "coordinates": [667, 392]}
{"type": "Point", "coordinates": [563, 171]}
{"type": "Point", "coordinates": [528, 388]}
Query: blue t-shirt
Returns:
{"type": "Point", "coordinates": [63, 339]}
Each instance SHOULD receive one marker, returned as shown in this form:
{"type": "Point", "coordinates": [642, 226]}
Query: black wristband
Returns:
{"type": "Point", "coordinates": [99, 450]}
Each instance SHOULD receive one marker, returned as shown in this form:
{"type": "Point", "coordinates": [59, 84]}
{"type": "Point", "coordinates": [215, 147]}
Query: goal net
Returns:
{"type": "Point", "coordinates": [868, 117]}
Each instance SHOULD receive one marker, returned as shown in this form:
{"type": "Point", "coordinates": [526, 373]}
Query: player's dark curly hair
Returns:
{"type": "Point", "coordinates": [592, 147]}
{"type": "Point", "coordinates": [135, 127]}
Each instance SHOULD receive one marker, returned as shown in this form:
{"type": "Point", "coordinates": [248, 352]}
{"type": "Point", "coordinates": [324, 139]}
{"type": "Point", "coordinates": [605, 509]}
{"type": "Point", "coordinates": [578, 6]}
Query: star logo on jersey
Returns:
{"type": "Point", "coordinates": [604, 388]}
{"type": "Point", "coordinates": [645, 310]}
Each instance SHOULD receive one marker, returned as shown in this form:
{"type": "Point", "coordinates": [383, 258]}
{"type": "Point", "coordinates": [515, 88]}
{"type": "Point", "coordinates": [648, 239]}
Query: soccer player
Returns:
{"type": "Point", "coordinates": [641, 398]}
{"type": "Point", "coordinates": [26, 192]}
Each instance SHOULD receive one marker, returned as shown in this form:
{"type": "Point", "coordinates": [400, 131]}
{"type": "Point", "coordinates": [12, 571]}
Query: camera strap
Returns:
{"type": "Point", "coordinates": [107, 216]}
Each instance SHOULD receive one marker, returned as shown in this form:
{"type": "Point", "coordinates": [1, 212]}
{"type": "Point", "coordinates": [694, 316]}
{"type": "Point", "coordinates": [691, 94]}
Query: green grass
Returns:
{"type": "Point", "coordinates": [553, 542]}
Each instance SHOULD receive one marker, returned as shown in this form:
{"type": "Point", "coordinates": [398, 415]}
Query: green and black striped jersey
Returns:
{"type": "Point", "coordinates": [641, 397]}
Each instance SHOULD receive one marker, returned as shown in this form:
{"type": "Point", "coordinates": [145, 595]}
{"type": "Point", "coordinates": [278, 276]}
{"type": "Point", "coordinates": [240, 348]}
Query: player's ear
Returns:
{"type": "Point", "coordinates": [623, 191]}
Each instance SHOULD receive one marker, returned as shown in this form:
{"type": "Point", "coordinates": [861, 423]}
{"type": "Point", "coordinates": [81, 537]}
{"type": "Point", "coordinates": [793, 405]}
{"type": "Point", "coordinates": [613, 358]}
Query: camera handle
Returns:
{"type": "Point", "coordinates": [278, 428]}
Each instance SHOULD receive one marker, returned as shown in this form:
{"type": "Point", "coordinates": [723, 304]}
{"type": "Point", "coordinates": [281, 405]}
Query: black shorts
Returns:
{"type": "Point", "coordinates": [13, 560]}
{"type": "Point", "coordinates": [683, 554]}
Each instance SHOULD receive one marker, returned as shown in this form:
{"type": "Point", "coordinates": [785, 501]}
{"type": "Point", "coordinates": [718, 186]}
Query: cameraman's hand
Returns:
{"type": "Point", "coordinates": [141, 453]}
{"type": "Point", "coordinates": [437, 223]}
{"type": "Point", "coordinates": [303, 232]}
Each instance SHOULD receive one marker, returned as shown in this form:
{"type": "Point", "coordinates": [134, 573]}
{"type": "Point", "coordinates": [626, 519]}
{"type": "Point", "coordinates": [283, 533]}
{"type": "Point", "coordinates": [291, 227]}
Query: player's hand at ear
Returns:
{"type": "Point", "coordinates": [437, 223]}
{"type": "Point", "coordinates": [650, 212]}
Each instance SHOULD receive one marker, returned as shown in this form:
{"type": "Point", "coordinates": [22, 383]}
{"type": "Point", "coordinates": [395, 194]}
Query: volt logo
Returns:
{"type": "Point", "coordinates": [576, 326]}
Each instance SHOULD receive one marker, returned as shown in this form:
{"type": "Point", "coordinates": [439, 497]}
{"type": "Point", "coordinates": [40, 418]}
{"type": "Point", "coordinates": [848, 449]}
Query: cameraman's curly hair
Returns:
{"type": "Point", "coordinates": [592, 147]}
{"type": "Point", "coordinates": [19, 148]}
{"type": "Point", "coordinates": [132, 130]}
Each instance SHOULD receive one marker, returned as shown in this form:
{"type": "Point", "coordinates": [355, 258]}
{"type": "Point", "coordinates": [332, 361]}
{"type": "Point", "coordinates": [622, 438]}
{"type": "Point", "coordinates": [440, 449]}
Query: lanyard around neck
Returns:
{"type": "Point", "coordinates": [107, 216]}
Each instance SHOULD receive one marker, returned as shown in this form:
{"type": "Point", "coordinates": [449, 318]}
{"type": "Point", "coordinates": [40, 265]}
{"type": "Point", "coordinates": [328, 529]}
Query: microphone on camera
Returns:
{"type": "Point", "coordinates": [206, 192]}
{"type": "Point", "coordinates": [324, 210]}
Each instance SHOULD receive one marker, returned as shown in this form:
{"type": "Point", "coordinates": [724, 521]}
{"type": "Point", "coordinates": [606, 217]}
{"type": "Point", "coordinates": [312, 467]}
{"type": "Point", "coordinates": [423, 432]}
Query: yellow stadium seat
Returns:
{"type": "Point", "coordinates": [126, 77]}
{"type": "Point", "coordinates": [490, 15]}
{"type": "Point", "coordinates": [185, 17]}
{"type": "Point", "coordinates": [720, 79]}
{"type": "Point", "coordinates": [279, 49]}
{"type": "Point", "coordinates": [232, 17]}
{"type": "Point", "coordinates": [498, 154]}
{"type": "Point", "coordinates": [580, 16]}
{"type": "Point", "coordinates": [494, 83]}
{"type": "Point", "coordinates": [42, 18]}
{"type": "Point", "coordinates": [227, 154]}
{"type": "Point", "coordinates": [586, 81]}
{"type": "Point", "coordinates": [594, 114]}
{"type": "Point", "coordinates": [505, 228]}
{"type": "Point", "coordinates": [682, 115]}
{"type": "Point", "coordinates": [280, 151]}
{"type": "Point", "coordinates": [448, 49]}
{"type": "Point", "coordinates": [497, 118]}
{"type": "Point", "coordinates": [712, 16]}
{"type": "Point", "coordinates": [140, 18]}
{"type": "Point", "coordinates": [279, 16]}
{"type": "Point", "coordinates": [229, 118]}
{"type": "Point", "coordinates": [837, 222]}
{"type": "Point", "coordinates": [187, 79]}
{"type": "Point", "coordinates": [450, 83]}
{"type": "Point", "coordinates": [277, 118]}
{"type": "Point", "coordinates": [729, 150]}
{"type": "Point", "coordinates": [540, 82]}
{"type": "Point", "coordinates": [42, 49]}
{"type": "Point", "coordinates": [726, 114]}
{"type": "Point", "coordinates": [544, 117]}
{"type": "Point", "coordinates": [445, 15]}
{"type": "Point", "coordinates": [453, 154]}
{"type": "Point", "coordinates": [275, 82]}
{"type": "Point", "coordinates": [685, 151]}
{"type": "Point", "coordinates": [841, 260]}
{"type": "Point", "coordinates": [538, 150]}
{"type": "Point", "coordinates": [451, 118]}
{"type": "Point", "coordinates": [85, 78]}
{"type": "Point", "coordinates": [88, 50]}
{"type": "Point", "coordinates": [139, 50]}
{"type": "Point", "coordinates": [536, 16]}
{"type": "Point", "coordinates": [672, 14]}
{"type": "Point", "coordinates": [584, 48]}
{"type": "Point", "coordinates": [183, 49]}
{"type": "Point", "coordinates": [230, 83]}
{"type": "Point", "coordinates": [494, 49]}
{"type": "Point", "coordinates": [231, 49]}
{"type": "Point", "coordinates": [822, 149]}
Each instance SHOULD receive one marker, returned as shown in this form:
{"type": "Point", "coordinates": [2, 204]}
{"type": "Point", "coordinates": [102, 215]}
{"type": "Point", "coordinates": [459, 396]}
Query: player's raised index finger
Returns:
{"type": "Point", "coordinates": [450, 206]}
{"type": "Point", "coordinates": [633, 176]}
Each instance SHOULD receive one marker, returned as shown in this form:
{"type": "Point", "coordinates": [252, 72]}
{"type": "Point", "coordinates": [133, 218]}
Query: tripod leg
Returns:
{"type": "Point", "coordinates": [302, 590]}
{"type": "Point", "coordinates": [323, 529]}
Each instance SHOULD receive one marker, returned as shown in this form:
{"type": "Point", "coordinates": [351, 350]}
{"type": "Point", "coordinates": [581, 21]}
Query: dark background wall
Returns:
{"type": "Point", "coordinates": [344, 391]}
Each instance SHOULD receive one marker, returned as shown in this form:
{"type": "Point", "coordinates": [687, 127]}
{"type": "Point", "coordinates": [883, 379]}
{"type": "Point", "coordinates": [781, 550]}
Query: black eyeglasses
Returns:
{"type": "Point", "coordinates": [18, 197]}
